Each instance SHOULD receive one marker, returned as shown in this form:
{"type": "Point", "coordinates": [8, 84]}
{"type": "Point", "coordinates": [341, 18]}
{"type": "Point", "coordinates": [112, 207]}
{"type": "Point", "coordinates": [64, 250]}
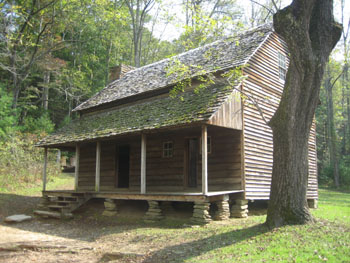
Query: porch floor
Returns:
{"type": "Point", "coordinates": [156, 196]}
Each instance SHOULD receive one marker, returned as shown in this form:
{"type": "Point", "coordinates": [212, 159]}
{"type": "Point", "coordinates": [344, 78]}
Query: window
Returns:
{"type": "Point", "coordinates": [208, 145]}
{"type": "Point", "coordinates": [282, 65]}
{"type": "Point", "coordinates": [168, 149]}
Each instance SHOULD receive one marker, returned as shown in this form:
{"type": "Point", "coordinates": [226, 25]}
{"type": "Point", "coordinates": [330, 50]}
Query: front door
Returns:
{"type": "Point", "coordinates": [123, 166]}
{"type": "Point", "coordinates": [193, 153]}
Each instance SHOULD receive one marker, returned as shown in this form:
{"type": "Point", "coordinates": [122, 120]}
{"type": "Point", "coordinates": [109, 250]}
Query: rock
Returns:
{"type": "Point", "coordinates": [239, 214]}
{"type": "Point", "coordinates": [241, 202]}
{"type": "Point", "coordinates": [110, 205]}
{"type": "Point", "coordinates": [239, 207]}
{"type": "Point", "coordinates": [17, 218]}
{"type": "Point", "coordinates": [109, 213]}
{"type": "Point", "coordinates": [154, 212]}
{"type": "Point", "coordinates": [201, 213]}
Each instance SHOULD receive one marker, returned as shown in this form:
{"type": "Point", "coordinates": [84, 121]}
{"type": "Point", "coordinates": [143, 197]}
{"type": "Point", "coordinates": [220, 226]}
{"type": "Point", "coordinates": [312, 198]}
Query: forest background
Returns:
{"type": "Point", "coordinates": [55, 54]}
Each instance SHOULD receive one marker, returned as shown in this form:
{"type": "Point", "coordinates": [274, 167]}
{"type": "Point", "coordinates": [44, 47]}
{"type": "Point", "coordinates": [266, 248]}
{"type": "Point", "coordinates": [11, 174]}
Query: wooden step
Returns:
{"type": "Point", "coordinates": [65, 203]}
{"type": "Point", "coordinates": [62, 205]}
{"type": "Point", "coordinates": [69, 198]}
{"type": "Point", "coordinates": [58, 206]}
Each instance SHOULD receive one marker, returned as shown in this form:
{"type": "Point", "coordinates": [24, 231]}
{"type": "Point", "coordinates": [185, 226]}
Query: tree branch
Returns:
{"type": "Point", "coordinates": [264, 6]}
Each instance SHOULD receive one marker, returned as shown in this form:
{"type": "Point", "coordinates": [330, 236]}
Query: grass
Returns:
{"type": "Point", "coordinates": [333, 206]}
{"type": "Point", "coordinates": [248, 240]}
{"type": "Point", "coordinates": [60, 181]}
{"type": "Point", "coordinates": [234, 240]}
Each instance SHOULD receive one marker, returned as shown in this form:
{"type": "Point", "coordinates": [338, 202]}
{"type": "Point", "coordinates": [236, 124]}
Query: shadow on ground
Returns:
{"type": "Point", "coordinates": [88, 223]}
{"type": "Point", "coordinates": [184, 251]}
{"type": "Point", "coordinates": [125, 229]}
{"type": "Point", "coordinates": [11, 204]}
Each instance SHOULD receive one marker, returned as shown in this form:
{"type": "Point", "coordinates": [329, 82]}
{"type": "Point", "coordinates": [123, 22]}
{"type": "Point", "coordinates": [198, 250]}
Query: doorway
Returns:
{"type": "Point", "coordinates": [123, 166]}
{"type": "Point", "coordinates": [193, 155]}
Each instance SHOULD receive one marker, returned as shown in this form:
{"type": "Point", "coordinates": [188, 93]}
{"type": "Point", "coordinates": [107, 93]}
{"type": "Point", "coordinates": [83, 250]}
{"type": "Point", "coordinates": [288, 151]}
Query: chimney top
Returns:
{"type": "Point", "coordinates": [117, 72]}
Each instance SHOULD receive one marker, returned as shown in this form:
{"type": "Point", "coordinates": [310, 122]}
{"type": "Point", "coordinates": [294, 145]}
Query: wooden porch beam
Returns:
{"type": "Point", "coordinates": [143, 163]}
{"type": "Point", "coordinates": [204, 160]}
{"type": "Point", "coordinates": [98, 165]}
{"type": "Point", "coordinates": [45, 169]}
{"type": "Point", "coordinates": [77, 161]}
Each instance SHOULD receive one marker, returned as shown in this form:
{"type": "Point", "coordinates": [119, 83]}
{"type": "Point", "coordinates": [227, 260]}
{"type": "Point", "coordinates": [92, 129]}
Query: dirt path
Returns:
{"type": "Point", "coordinates": [89, 237]}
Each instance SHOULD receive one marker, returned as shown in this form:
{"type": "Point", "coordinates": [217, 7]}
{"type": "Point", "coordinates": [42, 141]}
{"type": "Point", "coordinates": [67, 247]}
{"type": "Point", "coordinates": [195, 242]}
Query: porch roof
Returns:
{"type": "Point", "coordinates": [164, 111]}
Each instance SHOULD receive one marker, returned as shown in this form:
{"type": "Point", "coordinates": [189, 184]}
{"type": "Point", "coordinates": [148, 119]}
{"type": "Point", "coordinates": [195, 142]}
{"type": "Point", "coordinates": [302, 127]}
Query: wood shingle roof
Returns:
{"type": "Point", "coordinates": [161, 111]}
{"type": "Point", "coordinates": [222, 54]}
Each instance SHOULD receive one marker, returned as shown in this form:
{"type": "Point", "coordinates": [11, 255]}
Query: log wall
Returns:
{"type": "Point", "coordinates": [166, 174]}
{"type": "Point", "coordinates": [264, 85]}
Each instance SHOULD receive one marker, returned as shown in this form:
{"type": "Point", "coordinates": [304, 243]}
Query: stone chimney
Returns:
{"type": "Point", "coordinates": [119, 71]}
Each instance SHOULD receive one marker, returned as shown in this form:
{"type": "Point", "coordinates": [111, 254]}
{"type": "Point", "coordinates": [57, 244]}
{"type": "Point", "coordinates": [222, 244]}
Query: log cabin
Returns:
{"type": "Point", "coordinates": [207, 145]}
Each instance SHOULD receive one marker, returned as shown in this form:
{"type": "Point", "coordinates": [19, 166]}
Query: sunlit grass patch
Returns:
{"type": "Point", "coordinates": [333, 206]}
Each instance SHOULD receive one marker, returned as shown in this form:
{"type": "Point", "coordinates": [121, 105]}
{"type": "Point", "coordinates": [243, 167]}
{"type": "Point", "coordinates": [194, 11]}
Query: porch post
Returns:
{"type": "Point", "coordinates": [44, 169]}
{"type": "Point", "coordinates": [204, 160]}
{"type": "Point", "coordinates": [98, 159]}
{"type": "Point", "coordinates": [76, 172]}
{"type": "Point", "coordinates": [143, 163]}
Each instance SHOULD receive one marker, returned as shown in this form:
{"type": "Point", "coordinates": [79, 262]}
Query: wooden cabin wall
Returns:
{"type": "Point", "coordinates": [229, 115]}
{"type": "Point", "coordinates": [87, 166]}
{"type": "Point", "coordinates": [166, 174]}
{"type": "Point", "coordinates": [170, 174]}
{"type": "Point", "coordinates": [264, 85]}
{"type": "Point", "coordinates": [224, 162]}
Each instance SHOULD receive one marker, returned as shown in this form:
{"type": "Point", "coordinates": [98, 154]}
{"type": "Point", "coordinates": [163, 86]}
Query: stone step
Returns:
{"type": "Point", "coordinates": [48, 214]}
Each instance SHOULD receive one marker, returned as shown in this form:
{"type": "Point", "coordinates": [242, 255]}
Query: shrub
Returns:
{"type": "Point", "coordinates": [38, 125]}
{"type": "Point", "coordinates": [7, 115]}
{"type": "Point", "coordinates": [21, 163]}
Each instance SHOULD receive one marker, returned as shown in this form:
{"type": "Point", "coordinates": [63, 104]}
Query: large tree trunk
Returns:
{"type": "Point", "coordinates": [310, 32]}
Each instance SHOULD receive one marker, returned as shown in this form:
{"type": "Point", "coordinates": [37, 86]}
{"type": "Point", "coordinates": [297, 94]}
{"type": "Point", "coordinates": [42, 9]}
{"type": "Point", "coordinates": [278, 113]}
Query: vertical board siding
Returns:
{"type": "Point", "coordinates": [166, 174]}
{"type": "Point", "coordinates": [87, 164]}
{"type": "Point", "coordinates": [229, 115]}
{"type": "Point", "coordinates": [264, 85]}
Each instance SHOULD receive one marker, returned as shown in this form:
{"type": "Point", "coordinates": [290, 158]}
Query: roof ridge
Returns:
{"type": "Point", "coordinates": [114, 90]}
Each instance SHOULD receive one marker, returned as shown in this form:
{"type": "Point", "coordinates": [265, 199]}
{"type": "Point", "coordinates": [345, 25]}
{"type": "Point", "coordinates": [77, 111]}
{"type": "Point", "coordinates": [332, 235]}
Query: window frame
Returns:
{"type": "Point", "coordinates": [168, 149]}
{"type": "Point", "coordinates": [282, 66]}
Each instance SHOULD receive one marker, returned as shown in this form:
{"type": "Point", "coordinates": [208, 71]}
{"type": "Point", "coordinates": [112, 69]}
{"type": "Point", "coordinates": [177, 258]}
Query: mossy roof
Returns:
{"type": "Point", "coordinates": [159, 112]}
{"type": "Point", "coordinates": [226, 53]}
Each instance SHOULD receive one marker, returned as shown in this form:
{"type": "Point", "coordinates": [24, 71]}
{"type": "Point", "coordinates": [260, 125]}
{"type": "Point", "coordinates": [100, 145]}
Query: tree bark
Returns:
{"type": "Point", "coordinates": [310, 32]}
{"type": "Point", "coordinates": [46, 90]}
{"type": "Point", "coordinates": [138, 11]}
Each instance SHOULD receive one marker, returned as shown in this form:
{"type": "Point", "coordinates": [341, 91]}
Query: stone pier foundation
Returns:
{"type": "Point", "coordinates": [110, 207]}
{"type": "Point", "coordinates": [223, 212]}
{"type": "Point", "coordinates": [240, 208]}
{"type": "Point", "coordinates": [313, 203]}
{"type": "Point", "coordinates": [154, 212]}
{"type": "Point", "coordinates": [201, 213]}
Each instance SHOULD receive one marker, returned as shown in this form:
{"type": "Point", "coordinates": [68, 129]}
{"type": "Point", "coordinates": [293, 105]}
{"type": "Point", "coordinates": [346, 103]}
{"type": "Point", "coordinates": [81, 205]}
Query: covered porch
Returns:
{"type": "Point", "coordinates": [200, 164]}
{"type": "Point", "coordinates": [200, 160]}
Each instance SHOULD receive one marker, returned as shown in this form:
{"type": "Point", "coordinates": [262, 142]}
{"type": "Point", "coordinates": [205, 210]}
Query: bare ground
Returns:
{"type": "Point", "coordinates": [90, 237]}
